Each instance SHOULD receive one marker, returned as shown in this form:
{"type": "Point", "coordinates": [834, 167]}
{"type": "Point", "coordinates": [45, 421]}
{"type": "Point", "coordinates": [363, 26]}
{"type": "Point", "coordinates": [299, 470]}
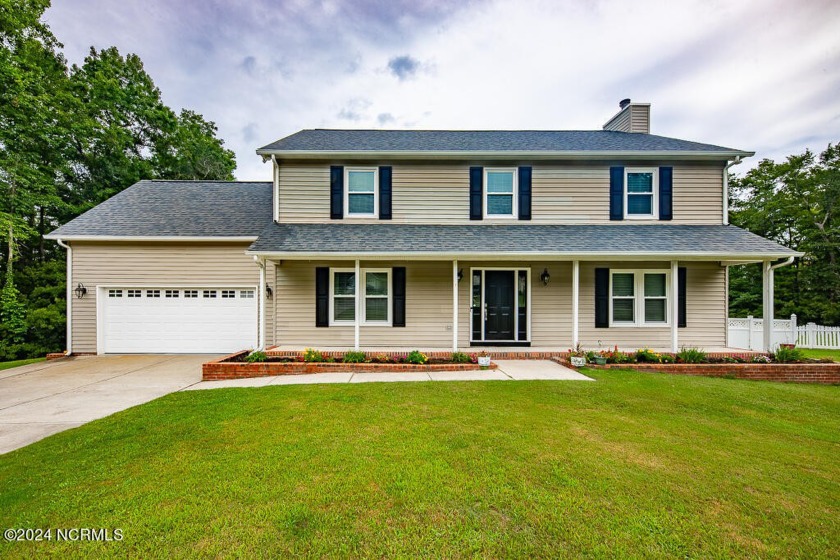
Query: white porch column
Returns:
{"type": "Point", "coordinates": [575, 303]}
{"type": "Point", "coordinates": [675, 307]}
{"type": "Point", "coordinates": [767, 305]}
{"type": "Point", "coordinates": [261, 327]}
{"type": "Point", "coordinates": [455, 306]}
{"type": "Point", "coordinates": [359, 294]}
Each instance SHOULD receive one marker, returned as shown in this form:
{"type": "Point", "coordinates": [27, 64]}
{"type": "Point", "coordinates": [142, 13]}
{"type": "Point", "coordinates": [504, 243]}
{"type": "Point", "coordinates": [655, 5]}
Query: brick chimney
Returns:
{"type": "Point", "coordinates": [631, 117]}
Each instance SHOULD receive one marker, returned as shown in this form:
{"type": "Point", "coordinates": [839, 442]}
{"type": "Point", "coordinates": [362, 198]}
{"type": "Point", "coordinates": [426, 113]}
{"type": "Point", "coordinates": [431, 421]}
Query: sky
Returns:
{"type": "Point", "coordinates": [757, 75]}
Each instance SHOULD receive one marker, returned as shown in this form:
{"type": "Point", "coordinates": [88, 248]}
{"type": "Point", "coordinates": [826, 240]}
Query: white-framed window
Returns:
{"type": "Point", "coordinates": [190, 294]}
{"type": "Point", "coordinates": [172, 293]}
{"type": "Point", "coordinates": [375, 296]}
{"type": "Point", "coordinates": [209, 293]}
{"type": "Point", "coordinates": [361, 192]}
{"type": "Point", "coordinates": [114, 293]}
{"type": "Point", "coordinates": [342, 296]}
{"type": "Point", "coordinates": [377, 302]}
{"type": "Point", "coordinates": [152, 293]}
{"type": "Point", "coordinates": [134, 293]}
{"type": "Point", "coordinates": [500, 192]}
{"type": "Point", "coordinates": [639, 298]}
{"type": "Point", "coordinates": [228, 294]}
{"type": "Point", "coordinates": [641, 198]}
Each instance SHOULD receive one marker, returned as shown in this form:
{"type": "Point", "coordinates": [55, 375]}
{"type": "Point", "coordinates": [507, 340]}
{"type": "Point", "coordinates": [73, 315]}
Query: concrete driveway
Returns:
{"type": "Point", "coordinates": [42, 399]}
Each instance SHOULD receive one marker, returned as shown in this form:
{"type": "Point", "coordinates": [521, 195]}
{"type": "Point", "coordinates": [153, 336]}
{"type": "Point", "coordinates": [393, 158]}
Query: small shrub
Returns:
{"type": "Point", "coordinates": [381, 359]}
{"type": "Point", "coordinates": [787, 355]}
{"type": "Point", "coordinates": [311, 355]}
{"type": "Point", "coordinates": [647, 356]}
{"type": "Point", "coordinates": [257, 356]}
{"type": "Point", "coordinates": [459, 358]}
{"type": "Point", "coordinates": [616, 356]}
{"type": "Point", "coordinates": [416, 357]}
{"type": "Point", "coordinates": [732, 360]}
{"type": "Point", "coordinates": [691, 355]}
{"type": "Point", "coordinates": [667, 358]}
{"type": "Point", "coordinates": [590, 357]}
{"type": "Point", "coordinates": [761, 359]}
{"type": "Point", "coordinates": [354, 357]}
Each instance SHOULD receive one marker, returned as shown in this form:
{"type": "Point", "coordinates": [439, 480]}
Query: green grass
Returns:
{"type": "Point", "coordinates": [814, 353]}
{"type": "Point", "coordinates": [16, 363]}
{"type": "Point", "coordinates": [634, 465]}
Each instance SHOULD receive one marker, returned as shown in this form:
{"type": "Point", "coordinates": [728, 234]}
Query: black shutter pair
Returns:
{"type": "Point", "coordinates": [322, 296]}
{"type": "Point", "coordinates": [666, 193]}
{"type": "Point", "coordinates": [477, 193]}
{"type": "Point", "coordinates": [337, 192]}
{"type": "Point", "coordinates": [602, 297]}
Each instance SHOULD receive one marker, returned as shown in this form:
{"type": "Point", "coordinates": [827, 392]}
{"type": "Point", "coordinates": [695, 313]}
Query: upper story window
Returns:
{"type": "Point", "coordinates": [640, 193]}
{"type": "Point", "coordinates": [362, 192]}
{"type": "Point", "coordinates": [638, 298]}
{"type": "Point", "coordinates": [500, 193]}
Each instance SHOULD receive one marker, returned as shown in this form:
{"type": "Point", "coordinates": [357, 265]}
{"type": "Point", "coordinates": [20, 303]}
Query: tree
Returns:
{"type": "Point", "coordinates": [795, 203]}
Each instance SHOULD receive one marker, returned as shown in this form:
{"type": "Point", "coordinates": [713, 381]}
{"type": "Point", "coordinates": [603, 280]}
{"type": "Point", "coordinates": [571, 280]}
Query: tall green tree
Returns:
{"type": "Point", "coordinates": [796, 203]}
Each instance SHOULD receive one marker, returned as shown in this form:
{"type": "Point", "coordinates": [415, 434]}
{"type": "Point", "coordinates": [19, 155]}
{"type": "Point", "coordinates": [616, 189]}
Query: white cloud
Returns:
{"type": "Point", "coordinates": [757, 74]}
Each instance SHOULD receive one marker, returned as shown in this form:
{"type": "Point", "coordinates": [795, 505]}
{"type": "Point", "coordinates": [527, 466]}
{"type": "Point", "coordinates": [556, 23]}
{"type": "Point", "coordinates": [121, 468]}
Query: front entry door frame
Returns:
{"type": "Point", "coordinates": [481, 270]}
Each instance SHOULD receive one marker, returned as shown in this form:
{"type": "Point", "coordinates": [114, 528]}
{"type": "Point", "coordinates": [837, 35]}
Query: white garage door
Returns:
{"type": "Point", "coordinates": [178, 320]}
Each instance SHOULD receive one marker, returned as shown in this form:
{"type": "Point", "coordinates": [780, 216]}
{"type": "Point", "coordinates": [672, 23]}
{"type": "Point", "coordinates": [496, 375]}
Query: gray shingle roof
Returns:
{"type": "Point", "coordinates": [528, 239]}
{"type": "Point", "coordinates": [484, 141]}
{"type": "Point", "coordinates": [177, 209]}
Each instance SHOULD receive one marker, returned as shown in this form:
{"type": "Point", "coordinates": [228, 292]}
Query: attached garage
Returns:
{"type": "Point", "coordinates": [164, 270]}
{"type": "Point", "coordinates": [177, 320]}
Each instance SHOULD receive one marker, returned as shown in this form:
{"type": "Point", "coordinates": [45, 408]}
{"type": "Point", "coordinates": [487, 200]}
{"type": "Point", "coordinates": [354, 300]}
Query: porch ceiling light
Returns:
{"type": "Point", "coordinates": [80, 290]}
{"type": "Point", "coordinates": [545, 277]}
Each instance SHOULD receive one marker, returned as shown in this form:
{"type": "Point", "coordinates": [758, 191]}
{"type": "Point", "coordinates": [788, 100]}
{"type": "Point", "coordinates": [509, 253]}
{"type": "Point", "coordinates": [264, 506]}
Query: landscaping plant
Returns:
{"type": "Point", "coordinates": [646, 355]}
{"type": "Point", "coordinates": [787, 355]}
{"type": "Point", "coordinates": [257, 356]}
{"type": "Point", "coordinates": [460, 358]}
{"type": "Point", "coordinates": [691, 355]}
{"type": "Point", "coordinates": [416, 357]}
{"type": "Point", "coordinates": [311, 355]}
{"type": "Point", "coordinates": [354, 357]}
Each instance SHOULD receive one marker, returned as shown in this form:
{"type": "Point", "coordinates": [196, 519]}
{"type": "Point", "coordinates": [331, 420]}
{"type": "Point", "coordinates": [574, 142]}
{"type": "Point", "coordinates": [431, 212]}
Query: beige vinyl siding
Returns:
{"type": "Point", "coordinates": [705, 309]}
{"type": "Point", "coordinates": [429, 308]}
{"type": "Point", "coordinates": [640, 118]}
{"type": "Point", "coordinates": [154, 264]}
{"type": "Point", "coordinates": [620, 122]}
{"type": "Point", "coordinates": [698, 194]}
{"type": "Point", "coordinates": [562, 193]}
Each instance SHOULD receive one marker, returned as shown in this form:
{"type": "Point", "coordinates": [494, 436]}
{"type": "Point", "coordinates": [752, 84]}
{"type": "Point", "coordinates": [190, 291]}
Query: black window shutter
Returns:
{"type": "Point", "coordinates": [336, 192]}
{"type": "Point", "coordinates": [476, 193]}
{"type": "Point", "coordinates": [602, 298]}
{"type": "Point", "coordinates": [681, 320]}
{"type": "Point", "coordinates": [385, 193]}
{"type": "Point", "coordinates": [616, 193]}
{"type": "Point", "coordinates": [524, 193]}
{"type": "Point", "coordinates": [322, 296]}
{"type": "Point", "coordinates": [666, 193]}
{"type": "Point", "coordinates": [398, 280]}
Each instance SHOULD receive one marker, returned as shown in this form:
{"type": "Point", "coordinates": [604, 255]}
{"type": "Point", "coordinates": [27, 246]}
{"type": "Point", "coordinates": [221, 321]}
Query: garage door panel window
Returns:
{"type": "Point", "coordinates": [247, 294]}
{"type": "Point", "coordinates": [134, 293]}
{"type": "Point", "coordinates": [153, 293]}
{"type": "Point", "coordinates": [228, 294]}
{"type": "Point", "coordinates": [172, 293]}
{"type": "Point", "coordinates": [209, 293]}
{"type": "Point", "coordinates": [115, 293]}
{"type": "Point", "coordinates": [190, 293]}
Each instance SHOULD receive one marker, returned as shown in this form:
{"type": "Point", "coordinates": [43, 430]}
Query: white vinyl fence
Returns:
{"type": "Point", "coordinates": [749, 334]}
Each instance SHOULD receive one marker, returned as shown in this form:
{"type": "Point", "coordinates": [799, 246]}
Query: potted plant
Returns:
{"type": "Point", "coordinates": [577, 356]}
{"type": "Point", "coordinates": [600, 360]}
{"type": "Point", "coordinates": [483, 359]}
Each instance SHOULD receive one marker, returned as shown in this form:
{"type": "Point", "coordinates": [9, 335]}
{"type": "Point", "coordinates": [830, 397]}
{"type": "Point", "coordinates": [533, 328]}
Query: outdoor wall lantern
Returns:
{"type": "Point", "coordinates": [80, 290]}
{"type": "Point", "coordinates": [460, 274]}
{"type": "Point", "coordinates": [269, 293]}
{"type": "Point", "coordinates": [545, 277]}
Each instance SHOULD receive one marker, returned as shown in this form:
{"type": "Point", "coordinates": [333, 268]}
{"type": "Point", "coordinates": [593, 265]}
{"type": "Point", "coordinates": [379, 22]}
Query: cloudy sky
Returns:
{"type": "Point", "coordinates": [757, 75]}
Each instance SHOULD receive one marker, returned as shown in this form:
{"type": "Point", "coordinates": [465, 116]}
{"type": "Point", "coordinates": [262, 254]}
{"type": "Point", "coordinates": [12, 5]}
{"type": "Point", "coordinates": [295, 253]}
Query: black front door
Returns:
{"type": "Point", "coordinates": [499, 304]}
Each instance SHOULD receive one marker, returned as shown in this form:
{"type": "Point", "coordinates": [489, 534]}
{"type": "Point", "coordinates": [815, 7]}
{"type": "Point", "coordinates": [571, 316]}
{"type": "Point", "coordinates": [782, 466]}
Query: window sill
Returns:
{"type": "Point", "coordinates": [638, 325]}
{"type": "Point", "coordinates": [640, 217]}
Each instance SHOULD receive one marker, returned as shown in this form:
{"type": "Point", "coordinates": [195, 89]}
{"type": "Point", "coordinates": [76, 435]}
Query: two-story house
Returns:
{"type": "Point", "coordinates": [429, 239]}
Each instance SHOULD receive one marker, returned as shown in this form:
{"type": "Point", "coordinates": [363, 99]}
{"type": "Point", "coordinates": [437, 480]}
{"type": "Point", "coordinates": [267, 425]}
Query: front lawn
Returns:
{"type": "Point", "coordinates": [815, 353]}
{"type": "Point", "coordinates": [16, 363]}
{"type": "Point", "coordinates": [634, 465]}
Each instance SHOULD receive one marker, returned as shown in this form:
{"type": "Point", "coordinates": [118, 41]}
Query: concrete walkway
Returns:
{"type": "Point", "coordinates": [38, 400]}
{"type": "Point", "coordinates": [519, 370]}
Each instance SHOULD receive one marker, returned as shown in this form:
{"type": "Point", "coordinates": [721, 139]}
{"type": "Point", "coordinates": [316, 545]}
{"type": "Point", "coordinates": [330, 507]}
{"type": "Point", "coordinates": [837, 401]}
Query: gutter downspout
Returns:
{"type": "Point", "coordinates": [261, 321]}
{"type": "Point", "coordinates": [69, 296]}
{"type": "Point", "coordinates": [736, 161]}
